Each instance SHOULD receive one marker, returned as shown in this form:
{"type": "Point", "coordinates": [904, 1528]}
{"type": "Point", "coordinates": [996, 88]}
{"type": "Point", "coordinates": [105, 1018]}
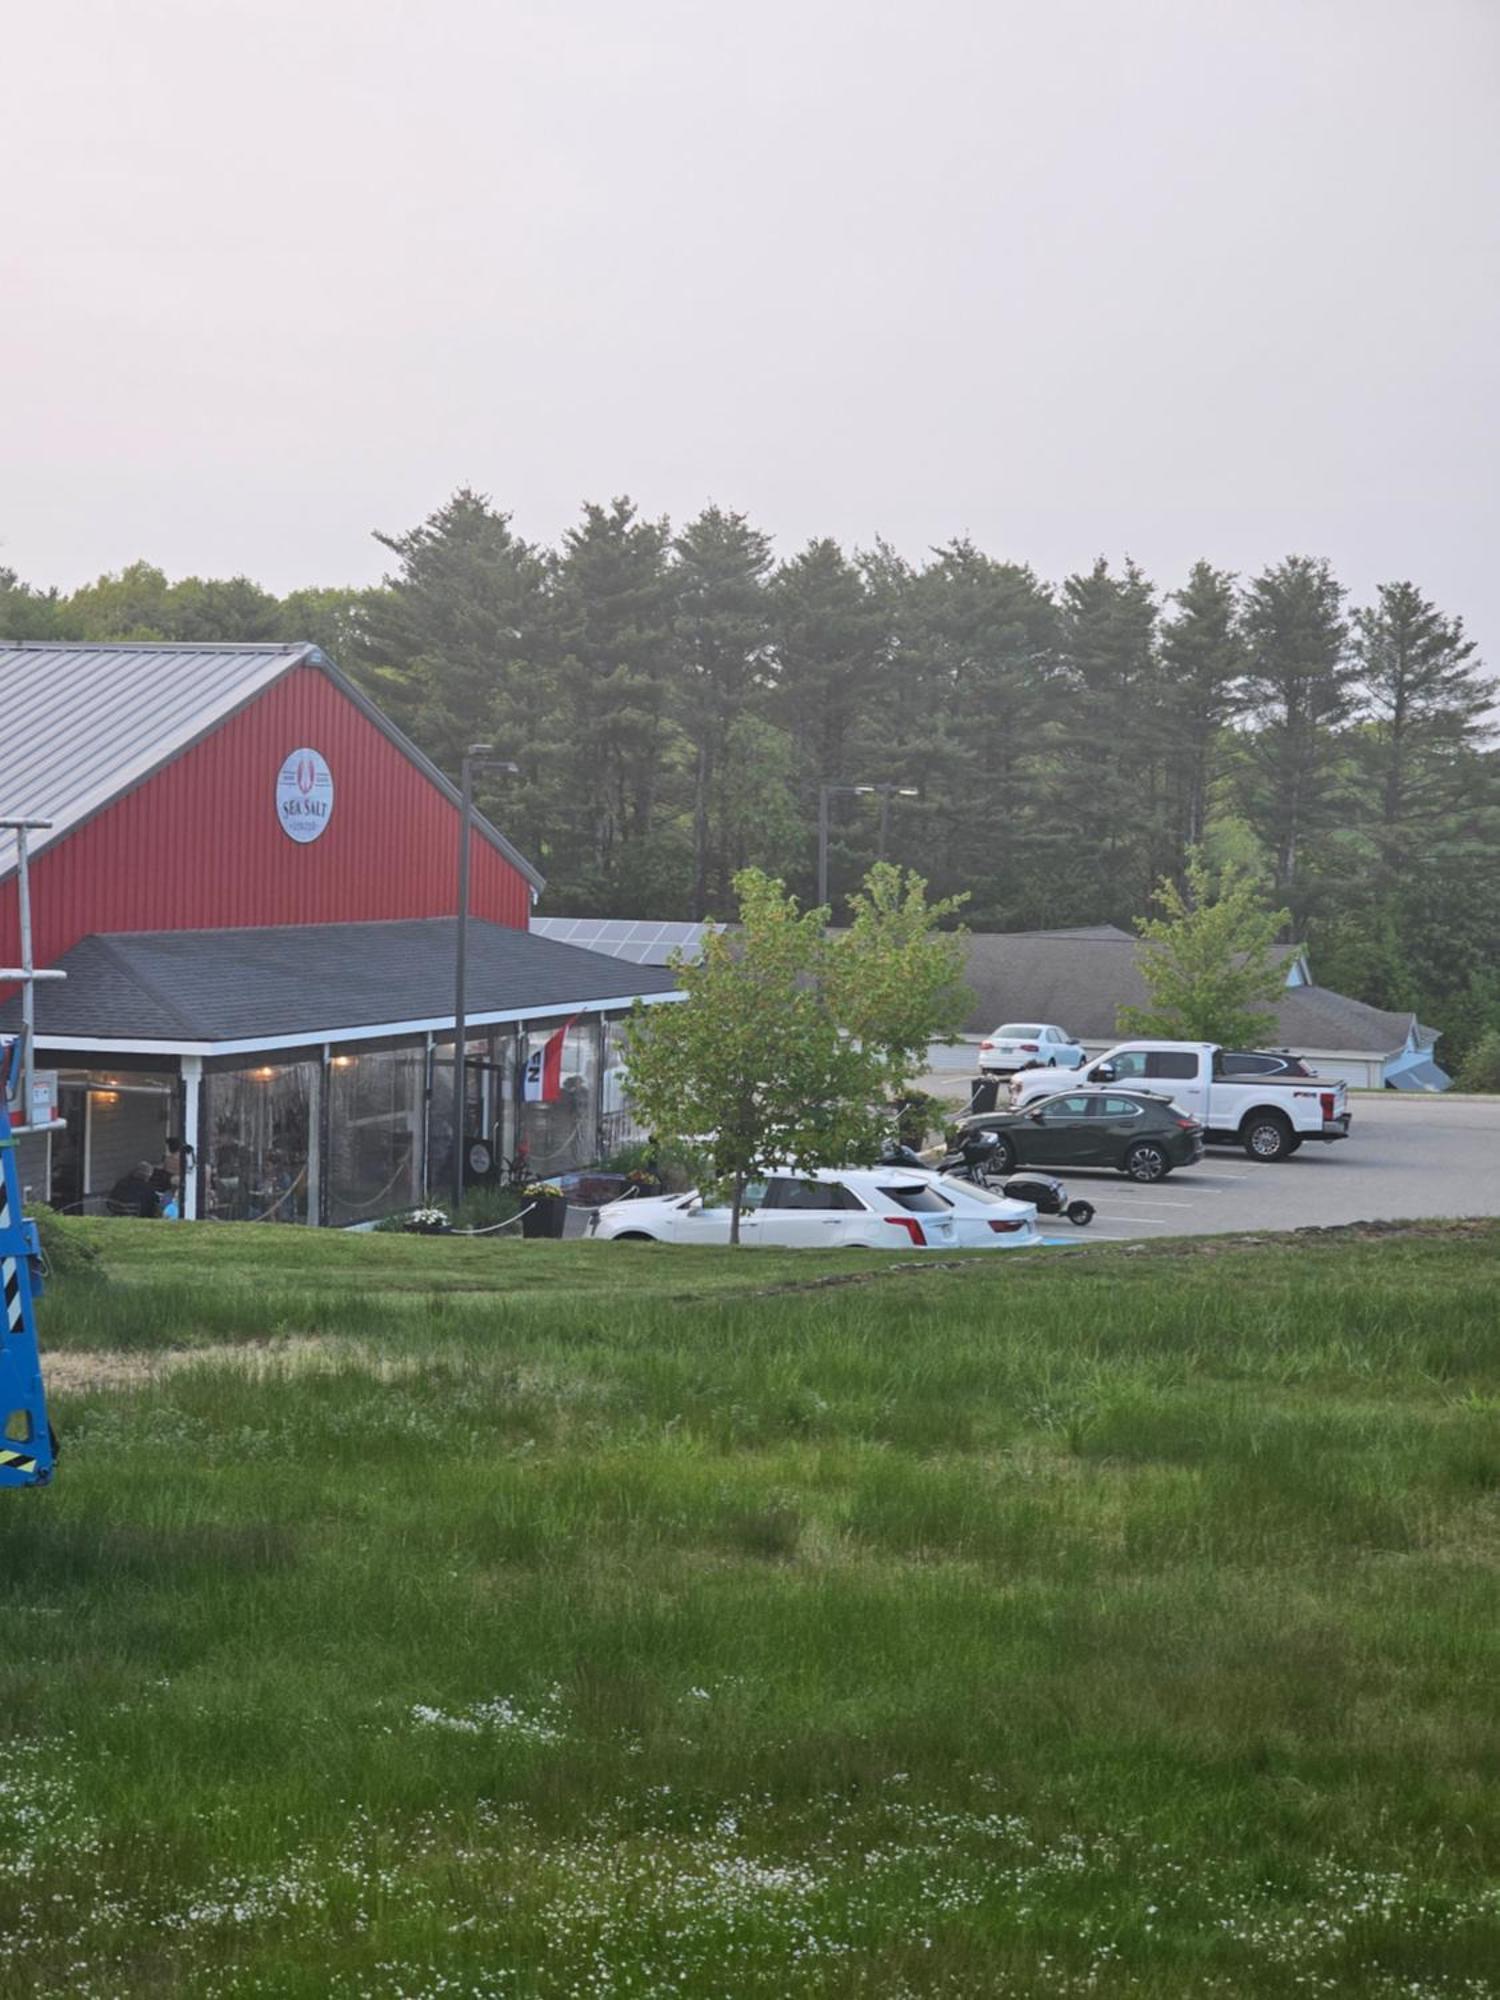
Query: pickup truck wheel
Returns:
{"type": "Point", "coordinates": [1147, 1162]}
{"type": "Point", "coordinates": [1267, 1136]}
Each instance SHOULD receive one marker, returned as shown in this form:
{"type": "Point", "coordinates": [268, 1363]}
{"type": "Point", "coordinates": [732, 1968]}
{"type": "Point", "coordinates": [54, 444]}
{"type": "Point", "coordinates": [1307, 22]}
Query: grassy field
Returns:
{"type": "Point", "coordinates": [425, 1618]}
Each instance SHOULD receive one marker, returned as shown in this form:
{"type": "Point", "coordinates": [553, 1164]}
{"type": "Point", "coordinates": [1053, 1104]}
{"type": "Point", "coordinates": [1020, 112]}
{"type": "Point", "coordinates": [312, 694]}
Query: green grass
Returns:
{"type": "Point", "coordinates": [416, 1617]}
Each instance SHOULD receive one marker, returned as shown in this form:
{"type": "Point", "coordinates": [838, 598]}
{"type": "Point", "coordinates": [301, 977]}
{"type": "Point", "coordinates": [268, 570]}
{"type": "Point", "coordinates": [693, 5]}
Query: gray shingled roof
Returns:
{"type": "Point", "coordinates": [87, 723]}
{"type": "Point", "coordinates": [276, 983]}
{"type": "Point", "coordinates": [1080, 979]}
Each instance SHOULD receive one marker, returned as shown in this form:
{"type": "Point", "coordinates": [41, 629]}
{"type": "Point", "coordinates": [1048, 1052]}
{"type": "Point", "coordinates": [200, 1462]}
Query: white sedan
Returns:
{"type": "Point", "coordinates": [869, 1208]}
{"type": "Point", "coordinates": [1036, 1044]}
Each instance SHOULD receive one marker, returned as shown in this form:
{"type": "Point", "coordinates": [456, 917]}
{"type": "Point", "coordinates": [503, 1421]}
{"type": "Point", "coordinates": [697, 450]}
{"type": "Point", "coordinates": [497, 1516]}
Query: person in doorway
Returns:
{"type": "Point", "coordinates": [134, 1193]}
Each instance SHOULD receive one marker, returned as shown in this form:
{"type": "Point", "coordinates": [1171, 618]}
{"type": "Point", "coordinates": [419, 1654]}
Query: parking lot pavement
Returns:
{"type": "Point", "coordinates": [1405, 1156]}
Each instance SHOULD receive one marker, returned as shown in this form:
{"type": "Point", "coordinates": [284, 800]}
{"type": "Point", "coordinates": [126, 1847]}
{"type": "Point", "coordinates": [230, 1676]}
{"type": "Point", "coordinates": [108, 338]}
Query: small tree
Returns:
{"type": "Point", "coordinates": [1480, 1069]}
{"type": "Point", "coordinates": [751, 1069]}
{"type": "Point", "coordinates": [1208, 961]}
{"type": "Point", "coordinates": [898, 982]}
{"type": "Point", "coordinates": [789, 1040]}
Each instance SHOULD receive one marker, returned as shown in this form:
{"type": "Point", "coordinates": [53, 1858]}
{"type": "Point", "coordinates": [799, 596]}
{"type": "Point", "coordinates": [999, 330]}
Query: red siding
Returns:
{"type": "Point", "coordinates": [198, 845]}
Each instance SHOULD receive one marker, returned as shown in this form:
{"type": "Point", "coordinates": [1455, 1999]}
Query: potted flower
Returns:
{"type": "Point", "coordinates": [546, 1210]}
{"type": "Point", "coordinates": [427, 1222]}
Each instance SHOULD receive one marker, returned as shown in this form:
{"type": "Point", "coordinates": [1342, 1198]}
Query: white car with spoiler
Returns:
{"type": "Point", "coordinates": [1029, 1045]}
{"type": "Point", "coordinates": [859, 1208]}
{"type": "Point", "coordinates": [1269, 1116]}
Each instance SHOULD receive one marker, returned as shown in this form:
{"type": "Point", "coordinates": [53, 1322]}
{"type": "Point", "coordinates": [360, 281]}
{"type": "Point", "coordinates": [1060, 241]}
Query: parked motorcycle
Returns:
{"type": "Point", "coordinates": [972, 1160]}
{"type": "Point", "coordinates": [967, 1162]}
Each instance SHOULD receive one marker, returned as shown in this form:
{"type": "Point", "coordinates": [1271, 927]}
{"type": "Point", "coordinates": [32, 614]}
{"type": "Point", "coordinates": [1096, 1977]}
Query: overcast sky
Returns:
{"type": "Point", "coordinates": [1166, 277]}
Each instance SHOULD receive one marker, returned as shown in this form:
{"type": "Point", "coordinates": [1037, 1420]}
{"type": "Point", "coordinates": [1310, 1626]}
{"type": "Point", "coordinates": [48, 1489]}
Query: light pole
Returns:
{"type": "Point", "coordinates": [826, 792]}
{"type": "Point", "coordinates": [887, 793]}
{"type": "Point", "coordinates": [477, 757]}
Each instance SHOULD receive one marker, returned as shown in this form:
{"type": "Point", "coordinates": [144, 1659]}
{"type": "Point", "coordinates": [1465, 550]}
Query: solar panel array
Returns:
{"type": "Point", "coordinates": [643, 943]}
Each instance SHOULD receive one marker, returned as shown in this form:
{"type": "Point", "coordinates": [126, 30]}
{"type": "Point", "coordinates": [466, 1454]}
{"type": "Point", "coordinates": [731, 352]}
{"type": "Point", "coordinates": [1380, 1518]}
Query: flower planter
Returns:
{"type": "Point", "coordinates": [427, 1229]}
{"type": "Point", "coordinates": [545, 1215]}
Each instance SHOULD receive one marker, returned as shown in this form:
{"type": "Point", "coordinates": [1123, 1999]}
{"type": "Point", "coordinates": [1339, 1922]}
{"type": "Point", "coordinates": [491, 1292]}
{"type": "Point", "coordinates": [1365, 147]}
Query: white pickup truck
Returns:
{"type": "Point", "coordinates": [1269, 1116]}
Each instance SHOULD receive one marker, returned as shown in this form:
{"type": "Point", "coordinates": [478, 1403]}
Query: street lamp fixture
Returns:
{"type": "Point", "coordinates": [885, 793]}
{"type": "Point", "coordinates": [478, 757]}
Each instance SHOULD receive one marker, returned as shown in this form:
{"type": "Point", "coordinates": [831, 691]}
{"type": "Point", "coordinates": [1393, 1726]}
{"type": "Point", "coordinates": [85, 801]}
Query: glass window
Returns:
{"type": "Point", "coordinates": [377, 1101]}
{"type": "Point", "coordinates": [1060, 1110]}
{"type": "Point", "coordinates": [260, 1126]}
{"type": "Point", "coordinates": [1119, 1107]}
{"type": "Point", "coordinates": [1017, 1031]}
{"type": "Point", "coordinates": [1178, 1063]}
{"type": "Point", "coordinates": [783, 1193]}
{"type": "Point", "coordinates": [919, 1200]}
{"type": "Point", "coordinates": [1132, 1062]}
{"type": "Point", "coordinates": [562, 1130]}
{"type": "Point", "coordinates": [489, 1108]}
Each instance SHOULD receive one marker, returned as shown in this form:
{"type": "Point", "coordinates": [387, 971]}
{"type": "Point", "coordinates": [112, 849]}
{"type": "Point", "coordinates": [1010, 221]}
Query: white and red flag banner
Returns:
{"type": "Point", "coordinates": [541, 1081]}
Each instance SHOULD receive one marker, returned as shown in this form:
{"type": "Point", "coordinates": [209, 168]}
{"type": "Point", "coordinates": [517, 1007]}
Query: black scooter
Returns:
{"type": "Point", "coordinates": [970, 1162]}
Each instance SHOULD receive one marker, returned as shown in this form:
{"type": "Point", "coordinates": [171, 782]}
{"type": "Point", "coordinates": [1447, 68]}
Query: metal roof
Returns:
{"type": "Point", "coordinates": [1418, 1076]}
{"type": "Point", "coordinates": [643, 942]}
{"type": "Point", "coordinates": [85, 723]}
{"type": "Point", "coordinates": [285, 983]}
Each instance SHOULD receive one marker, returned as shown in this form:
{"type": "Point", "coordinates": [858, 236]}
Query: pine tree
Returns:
{"type": "Point", "coordinates": [1299, 685]}
{"type": "Point", "coordinates": [830, 655]}
{"type": "Point", "coordinates": [977, 667]}
{"type": "Point", "coordinates": [454, 643]}
{"type": "Point", "coordinates": [611, 602]}
{"type": "Point", "coordinates": [1106, 809]}
{"type": "Point", "coordinates": [1427, 700]}
{"type": "Point", "coordinates": [1202, 661]}
{"type": "Point", "coordinates": [724, 636]}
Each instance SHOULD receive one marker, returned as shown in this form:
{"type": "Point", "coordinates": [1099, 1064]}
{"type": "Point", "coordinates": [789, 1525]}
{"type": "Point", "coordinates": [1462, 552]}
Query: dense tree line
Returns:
{"type": "Point", "coordinates": [676, 698]}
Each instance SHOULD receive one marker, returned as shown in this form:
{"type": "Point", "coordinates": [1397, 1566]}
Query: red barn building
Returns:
{"type": "Point", "coordinates": [249, 879]}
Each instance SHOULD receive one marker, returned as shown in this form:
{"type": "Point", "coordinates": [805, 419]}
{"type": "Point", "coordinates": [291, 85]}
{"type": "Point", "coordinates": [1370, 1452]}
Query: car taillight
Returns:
{"type": "Point", "coordinates": [1327, 1099]}
{"type": "Point", "coordinates": [912, 1227]}
{"type": "Point", "coordinates": [1186, 1124]}
{"type": "Point", "coordinates": [986, 1045]}
{"type": "Point", "coordinates": [1007, 1228]}
{"type": "Point", "coordinates": [1029, 1048]}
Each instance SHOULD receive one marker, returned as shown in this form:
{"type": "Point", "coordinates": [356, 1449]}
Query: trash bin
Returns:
{"type": "Point", "coordinates": [983, 1092]}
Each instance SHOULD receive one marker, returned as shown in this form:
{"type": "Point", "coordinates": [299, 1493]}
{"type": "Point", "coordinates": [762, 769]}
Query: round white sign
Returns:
{"type": "Point", "coordinates": [304, 795]}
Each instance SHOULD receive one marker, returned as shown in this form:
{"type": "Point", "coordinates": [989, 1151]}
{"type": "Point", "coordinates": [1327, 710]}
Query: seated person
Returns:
{"type": "Point", "coordinates": [134, 1193]}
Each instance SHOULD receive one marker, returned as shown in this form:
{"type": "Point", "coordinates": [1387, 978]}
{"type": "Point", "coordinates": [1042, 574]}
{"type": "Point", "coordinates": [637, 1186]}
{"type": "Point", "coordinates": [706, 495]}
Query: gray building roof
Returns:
{"type": "Point", "coordinates": [86, 723]}
{"type": "Point", "coordinates": [275, 985]}
{"type": "Point", "coordinates": [1081, 978]}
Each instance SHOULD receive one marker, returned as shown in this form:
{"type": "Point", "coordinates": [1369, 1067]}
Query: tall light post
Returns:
{"type": "Point", "coordinates": [887, 793]}
{"type": "Point", "coordinates": [826, 792]}
{"type": "Point", "coordinates": [478, 757]}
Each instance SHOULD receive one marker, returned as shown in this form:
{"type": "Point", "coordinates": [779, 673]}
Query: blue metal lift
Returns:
{"type": "Point", "coordinates": [28, 1448]}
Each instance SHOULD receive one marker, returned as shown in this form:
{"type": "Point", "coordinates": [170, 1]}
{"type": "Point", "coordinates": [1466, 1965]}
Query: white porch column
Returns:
{"type": "Point", "coordinates": [192, 1098]}
{"type": "Point", "coordinates": [315, 1121]}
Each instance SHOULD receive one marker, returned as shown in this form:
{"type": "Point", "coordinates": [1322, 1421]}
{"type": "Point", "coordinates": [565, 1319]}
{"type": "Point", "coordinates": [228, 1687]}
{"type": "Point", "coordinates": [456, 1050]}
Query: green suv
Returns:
{"type": "Point", "coordinates": [1134, 1131]}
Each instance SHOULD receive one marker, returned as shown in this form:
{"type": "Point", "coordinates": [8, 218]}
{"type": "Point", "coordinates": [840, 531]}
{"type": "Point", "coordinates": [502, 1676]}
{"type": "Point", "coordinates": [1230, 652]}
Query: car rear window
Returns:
{"type": "Point", "coordinates": [1014, 1031]}
{"type": "Point", "coordinates": [1180, 1063]}
{"type": "Point", "coordinates": [919, 1200]}
{"type": "Point", "coordinates": [821, 1195]}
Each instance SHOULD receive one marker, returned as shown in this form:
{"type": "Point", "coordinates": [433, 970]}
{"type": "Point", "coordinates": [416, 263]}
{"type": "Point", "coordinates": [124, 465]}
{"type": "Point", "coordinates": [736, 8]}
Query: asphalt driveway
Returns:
{"type": "Point", "coordinates": [1405, 1156]}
